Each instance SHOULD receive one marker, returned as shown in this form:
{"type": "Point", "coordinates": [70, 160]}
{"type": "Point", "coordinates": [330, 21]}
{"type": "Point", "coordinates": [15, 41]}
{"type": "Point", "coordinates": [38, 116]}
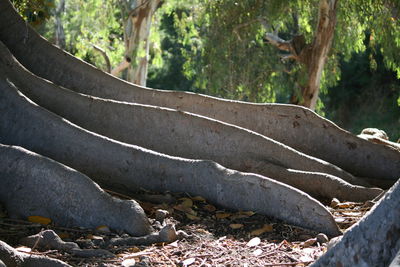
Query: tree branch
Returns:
{"type": "Point", "coordinates": [122, 66]}
{"type": "Point", "coordinates": [105, 56]}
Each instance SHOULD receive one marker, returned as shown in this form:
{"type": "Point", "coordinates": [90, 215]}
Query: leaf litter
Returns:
{"type": "Point", "coordinates": [214, 236]}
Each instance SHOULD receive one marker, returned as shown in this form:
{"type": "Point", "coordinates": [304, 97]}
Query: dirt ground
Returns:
{"type": "Point", "coordinates": [213, 236]}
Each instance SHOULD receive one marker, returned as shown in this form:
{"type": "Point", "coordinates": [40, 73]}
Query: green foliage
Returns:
{"type": "Point", "coordinates": [36, 12]}
{"type": "Point", "coordinates": [229, 58]}
{"type": "Point", "coordinates": [365, 96]}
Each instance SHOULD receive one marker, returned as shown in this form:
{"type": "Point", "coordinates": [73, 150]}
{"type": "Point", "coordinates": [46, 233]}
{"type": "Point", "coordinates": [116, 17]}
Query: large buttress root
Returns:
{"type": "Point", "coordinates": [119, 165]}
{"type": "Point", "coordinates": [187, 135]}
{"type": "Point", "coordinates": [294, 126]}
{"type": "Point", "coordinates": [33, 185]}
{"type": "Point", "coordinates": [374, 240]}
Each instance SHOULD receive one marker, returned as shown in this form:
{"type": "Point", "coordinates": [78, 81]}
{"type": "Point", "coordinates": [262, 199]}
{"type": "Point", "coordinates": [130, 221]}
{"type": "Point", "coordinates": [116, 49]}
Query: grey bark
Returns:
{"type": "Point", "coordinates": [126, 167]}
{"type": "Point", "coordinates": [374, 240]}
{"type": "Point", "coordinates": [188, 135]}
{"type": "Point", "coordinates": [294, 126]}
{"type": "Point", "coordinates": [12, 258]}
{"type": "Point", "coordinates": [33, 185]}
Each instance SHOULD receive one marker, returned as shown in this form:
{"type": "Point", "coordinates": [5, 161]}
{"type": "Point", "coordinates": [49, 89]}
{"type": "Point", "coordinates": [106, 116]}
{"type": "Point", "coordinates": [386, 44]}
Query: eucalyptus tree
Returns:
{"type": "Point", "coordinates": [260, 50]}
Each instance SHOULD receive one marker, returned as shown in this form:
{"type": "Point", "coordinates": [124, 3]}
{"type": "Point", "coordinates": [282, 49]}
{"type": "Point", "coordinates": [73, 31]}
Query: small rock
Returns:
{"type": "Point", "coordinates": [161, 215]}
{"type": "Point", "coordinates": [334, 203]}
{"type": "Point", "coordinates": [85, 243]}
{"type": "Point", "coordinates": [322, 238]}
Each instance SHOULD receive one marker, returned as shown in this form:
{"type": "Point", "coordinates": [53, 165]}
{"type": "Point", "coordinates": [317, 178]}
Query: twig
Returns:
{"type": "Point", "coordinates": [165, 256]}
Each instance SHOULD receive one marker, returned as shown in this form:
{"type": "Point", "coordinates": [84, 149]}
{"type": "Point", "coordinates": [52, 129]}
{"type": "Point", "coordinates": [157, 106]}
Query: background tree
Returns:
{"type": "Point", "coordinates": [288, 43]}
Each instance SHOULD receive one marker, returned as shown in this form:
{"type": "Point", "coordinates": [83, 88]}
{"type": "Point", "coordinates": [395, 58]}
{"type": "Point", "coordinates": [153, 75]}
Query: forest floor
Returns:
{"type": "Point", "coordinates": [215, 237]}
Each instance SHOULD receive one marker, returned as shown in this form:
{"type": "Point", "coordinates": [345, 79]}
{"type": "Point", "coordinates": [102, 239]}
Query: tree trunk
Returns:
{"type": "Point", "coordinates": [59, 31]}
{"type": "Point", "coordinates": [136, 35]}
{"type": "Point", "coordinates": [294, 126]}
{"type": "Point", "coordinates": [193, 136]}
{"type": "Point", "coordinates": [314, 56]}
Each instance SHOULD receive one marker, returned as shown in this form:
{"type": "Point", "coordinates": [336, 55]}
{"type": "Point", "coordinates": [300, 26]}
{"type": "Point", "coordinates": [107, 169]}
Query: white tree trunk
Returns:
{"type": "Point", "coordinates": [136, 35]}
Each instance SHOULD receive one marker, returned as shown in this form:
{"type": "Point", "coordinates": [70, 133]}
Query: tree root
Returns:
{"type": "Point", "coordinates": [203, 138]}
{"type": "Point", "coordinates": [33, 185]}
{"type": "Point", "coordinates": [12, 258]}
{"type": "Point", "coordinates": [374, 240]}
{"type": "Point", "coordinates": [294, 126]}
{"type": "Point", "coordinates": [119, 165]}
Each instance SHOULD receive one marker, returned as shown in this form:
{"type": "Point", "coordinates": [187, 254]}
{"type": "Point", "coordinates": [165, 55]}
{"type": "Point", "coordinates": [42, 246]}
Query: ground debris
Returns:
{"type": "Point", "coordinates": [213, 237]}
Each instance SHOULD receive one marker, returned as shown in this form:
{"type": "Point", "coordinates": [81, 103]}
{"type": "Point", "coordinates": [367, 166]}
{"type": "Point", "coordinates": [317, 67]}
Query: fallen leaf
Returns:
{"type": "Point", "coordinates": [309, 242]}
{"type": "Point", "coordinates": [128, 262]}
{"type": "Point", "coordinates": [254, 242]}
{"type": "Point", "coordinates": [199, 198]}
{"type": "Point", "coordinates": [222, 215]}
{"type": "Point", "coordinates": [257, 252]}
{"type": "Point", "coordinates": [187, 202]}
{"type": "Point", "coordinates": [209, 208]}
{"type": "Point", "coordinates": [103, 228]}
{"type": "Point", "coordinates": [247, 213]}
{"type": "Point", "coordinates": [188, 261]}
{"type": "Point", "coordinates": [39, 219]}
{"type": "Point", "coordinates": [345, 205]}
{"type": "Point", "coordinates": [264, 229]}
{"type": "Point", "coordinates": [192, 217]}
{"type": "Point", "coordinates": [185, 209]}
{"type": "Point", "coordinates": [63, 235]}
{"type": "Point", "coordinates": [340, 219]}
{"type": "Point", "coordinates": [173, 244]}
{"type": "Point", "coordinates": [236, 225]}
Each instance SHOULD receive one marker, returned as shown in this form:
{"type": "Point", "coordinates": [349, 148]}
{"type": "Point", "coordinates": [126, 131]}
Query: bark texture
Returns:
{"type": "Point", "coordinates": [292, 125]}
{"type": "Point", "coordinates": [188, 135]}
{"type": "Point", "coordinates": [373, 241]}
{"type": "Point", "coordinates": [122, 166]}
{"type": "Point", "coordinates": [33, 185]}
{"type": "Point", "coordinates": [136, 36]}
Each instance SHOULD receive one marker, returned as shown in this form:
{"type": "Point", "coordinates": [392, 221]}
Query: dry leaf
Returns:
{"type": "Point", "coordinates": [199, 198]}
{"type": "Point", "coordinates": [209, 208]}
{"type": "Point", "coordinates": [187, 202]}
{"type": "Point", "coordinates": [345, 205]}
{"type": "Point", "coordinates": [254, 242]}
{"type": "Point", "coordinates": [188, 261]}
{"type": "Point", "coordinates": [63, 235]}
{"type": "Point", "coordinates": [257, 252]}
{"type": "Point", "coordinates": [128, 262]}
{"type": "Point", "coordinates": [173, 244]}
{"type": "Point", "coordinates": [185, 209]}
{"type": "Point", "coordinates": [247, 213]}
{"type": "Point", "coordinates": [340, 219]}
{"type": "Point", "coordinates": [264, 229]}
{"type": "Point", "coordinates": [192, 217]}
{"type": "Point", "coordinates": [39, 219]}
{"type": "Point", "coordinates": [309, 242]}
{"type": "Point", "coordinates": [236, 225]}
{"type": "Point", "coordinates": [103, 228]}
{"type": "Point", "coordinates": [222, 215]}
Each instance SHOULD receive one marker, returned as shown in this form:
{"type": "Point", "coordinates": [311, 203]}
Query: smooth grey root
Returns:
{"type": "Point", "coordinates": [189, 136]}
{"type": "Point", "coordinates": [120, 165]}
{"type": "Point", "coordinates": [294, 126]}
{"type": "Point", "coordinates": [33, 185]}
